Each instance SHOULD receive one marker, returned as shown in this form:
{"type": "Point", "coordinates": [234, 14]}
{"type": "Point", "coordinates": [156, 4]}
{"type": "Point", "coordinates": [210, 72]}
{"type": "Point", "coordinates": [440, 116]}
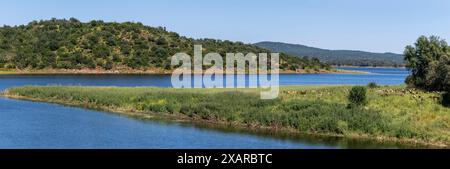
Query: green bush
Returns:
{"type": "Point", "coordinates": [372, 85]}
{"type": "Point", "coordinates": [357, 96]}
{"type": "Point", "coordinates": [446, 99]}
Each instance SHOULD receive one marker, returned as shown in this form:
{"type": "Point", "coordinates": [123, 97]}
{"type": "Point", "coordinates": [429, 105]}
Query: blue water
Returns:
{"type": "Point", "coordinates": [382, 76]}
{"type": "Point", "coordinates": [42, 125]}
{"type": "Point", "coordinates": [26, 124]}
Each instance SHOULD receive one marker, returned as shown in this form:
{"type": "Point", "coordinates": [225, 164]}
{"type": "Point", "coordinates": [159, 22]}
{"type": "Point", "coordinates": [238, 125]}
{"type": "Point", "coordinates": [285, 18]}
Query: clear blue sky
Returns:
{"type": "Point", "coordinates": [371, 25]}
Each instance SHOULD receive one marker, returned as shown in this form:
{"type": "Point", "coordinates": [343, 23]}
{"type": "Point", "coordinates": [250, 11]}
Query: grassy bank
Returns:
{"type": "Point", "coordinates": [393, 113]}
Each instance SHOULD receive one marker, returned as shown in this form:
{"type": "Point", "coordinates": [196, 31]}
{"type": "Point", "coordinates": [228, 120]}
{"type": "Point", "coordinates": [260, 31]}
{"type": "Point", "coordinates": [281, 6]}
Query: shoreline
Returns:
{"type": "Point", "coordinates": [183, 118]}
{"type": "Point", "coordinates": [374, 67]}
{"type": "Point", "coordinates": [146, 72]}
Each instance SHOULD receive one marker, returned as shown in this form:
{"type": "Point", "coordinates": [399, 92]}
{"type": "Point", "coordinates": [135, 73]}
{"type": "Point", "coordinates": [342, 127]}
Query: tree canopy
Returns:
{"type": "Point", "coordinates": [429, 61]}
{"type": "Point", "coordinates": [71, 44]}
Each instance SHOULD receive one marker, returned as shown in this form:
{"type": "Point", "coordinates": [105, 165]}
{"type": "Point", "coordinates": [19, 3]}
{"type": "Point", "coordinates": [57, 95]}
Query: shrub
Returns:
{"type": "Point", "coordinates": [342, 127]}
{"type": "Point", "coordinates": [445, 100]}
{"type": "Point", "coordinates": [357, 96]}
{"type": "Point", "coordinates": [372, 85]}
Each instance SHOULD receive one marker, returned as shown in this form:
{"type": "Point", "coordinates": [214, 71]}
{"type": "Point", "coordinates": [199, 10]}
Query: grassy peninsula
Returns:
{"type": "Point", "coordinates": [393, 113]}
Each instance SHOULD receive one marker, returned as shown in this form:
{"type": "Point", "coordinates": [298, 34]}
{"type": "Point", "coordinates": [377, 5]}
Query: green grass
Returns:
{"type": "Point", "coordinates": [392, 113]}
{"type": "Point", "coordinates": [6, 71]}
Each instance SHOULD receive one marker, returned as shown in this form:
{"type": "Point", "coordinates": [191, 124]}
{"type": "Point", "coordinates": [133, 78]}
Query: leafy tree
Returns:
{"type": "Point", "coordinates": [101, 51]}
{"type": "Point", "coordinates": [372, 85]}
{"type": "Point", "coordinates": [160, 52]}
{"type": "Point", "coordinates": [108, 65]}
{"type": "Point", "coordinates": [357, 96]}
{"type": "Point", "coordinates": [429, 62]}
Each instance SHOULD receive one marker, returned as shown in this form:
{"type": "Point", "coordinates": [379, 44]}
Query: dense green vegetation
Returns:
{"type": "Point", "coordinates": [429, 61]}
{"type": "Point", "coordinates": [357, 96]}
{"type": "Point", "coordinates": [71, 44]}
{"type": "Point", "coordinates": [391, 113]}
{"type": "Point", "coordinates": [337, 57]}
{"type": "Point", "coordinates": [372, 85]}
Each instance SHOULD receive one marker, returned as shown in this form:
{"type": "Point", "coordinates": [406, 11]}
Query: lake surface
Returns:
{"type": "Point", "coordinates": [28, 124]}
{"type": "Point", "coordinates": [382, 76]}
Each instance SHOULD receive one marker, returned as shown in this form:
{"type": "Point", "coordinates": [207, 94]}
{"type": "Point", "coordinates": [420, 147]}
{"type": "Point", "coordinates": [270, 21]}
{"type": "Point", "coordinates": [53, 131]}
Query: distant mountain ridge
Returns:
{"type": "Point", "coordinates": [336, 57]}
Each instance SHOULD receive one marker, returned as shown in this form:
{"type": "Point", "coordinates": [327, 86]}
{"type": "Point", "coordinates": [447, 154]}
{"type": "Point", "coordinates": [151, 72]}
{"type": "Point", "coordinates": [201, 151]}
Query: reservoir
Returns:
{"type": "Point", "coordinates": [27, 124]}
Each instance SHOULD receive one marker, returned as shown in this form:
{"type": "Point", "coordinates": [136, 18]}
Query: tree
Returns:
{"type": "Point", "coordinates": [159, 52]}
{"type": "Point", "coordinates": [443, 72]}
{"type": "Point", "coordinates": [428, 61]}
{"type": "Point", "coordinates": [357, 96]}
{"type": "Point", "coordinates": [101, 51]}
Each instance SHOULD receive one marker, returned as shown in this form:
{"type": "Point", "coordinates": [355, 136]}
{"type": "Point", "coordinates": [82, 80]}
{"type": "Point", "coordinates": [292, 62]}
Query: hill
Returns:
{"type": "Point", "coordinates": [71, 44]}
{"type": "Point", "coordinates": [337, 57]}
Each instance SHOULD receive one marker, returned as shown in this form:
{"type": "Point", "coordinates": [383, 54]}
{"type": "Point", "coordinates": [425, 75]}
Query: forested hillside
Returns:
{"type": "Point", "coordinates": [337, 57]}
{"type": "Point", "coordinates": [71, 44]}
